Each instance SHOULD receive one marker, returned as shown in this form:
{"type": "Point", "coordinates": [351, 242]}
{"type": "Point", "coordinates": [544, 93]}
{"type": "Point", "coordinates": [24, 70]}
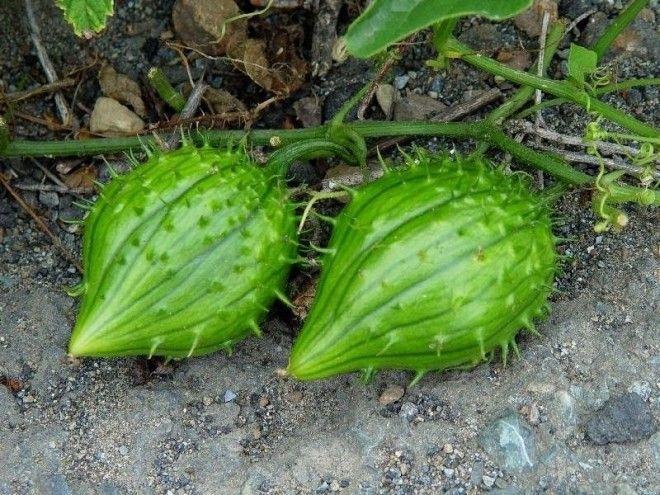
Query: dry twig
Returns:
{"type": "Point", "coordinates": [46, 64]}
{"type": "Point", "coordinates": [40, 90]}
{"type": "Point", "coordinates": [56, 188]}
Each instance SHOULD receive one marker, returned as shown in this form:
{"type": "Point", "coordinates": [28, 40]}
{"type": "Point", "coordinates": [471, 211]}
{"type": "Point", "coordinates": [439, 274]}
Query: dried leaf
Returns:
{"type": "Point", "coordinates": [255, 64]}
{"type": "Point", "coordinates": [223, 101]}
{"type": "Point", "coordinates": [82, 177]}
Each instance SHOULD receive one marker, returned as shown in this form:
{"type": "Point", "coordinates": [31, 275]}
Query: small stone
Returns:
{"type": "Point", "coordinates": [437, 84]}
{"type": "Point", "coordinates": [511, 442]}
{"type": "Point", "coordinates": [531, 20]}
{"type": "Point", "coordinates": [447, 448]}
{"type": "Point", "coordinates": [255, 431]}
{"type": "Point", "coordinates": [622, 419]}
{"type": "Point", "coordinates": [49, 199]}
{"type": "Point", "coordinates": [229, 396]}
{"type": "Point", "coordinates": [207, 401]}
{"type": "Point", "coordinates": [296, 396]}
{"type": "Point", "coordinates": [391, 394]}
{"type": "Point", "coordinates": [417, 107]}
{"type": "Point", "coordinates": [263, 402]}
{"type": "Point", "coordinates": [488, 481]}
{"type": "Point", "coordinates": [534, 415]}
{"type": "Point", "coordinates": [408, 411]}
{"type": "Point", "coordinates": [111, 117]}
{"type": "Point", "coordinates": [334, 486]}
{"type": "Point", "coordinates": [476, 476]}
{"type": "Point", "coordinates": [123, 450]}
{"type": "Point", "coordinates": [400, 82]}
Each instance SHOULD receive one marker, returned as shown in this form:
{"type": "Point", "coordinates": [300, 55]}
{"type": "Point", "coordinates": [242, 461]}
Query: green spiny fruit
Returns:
{"type": "Point", "coordinates": [183, 255]}
{"type": "Point", "coordinates": [430, 268]}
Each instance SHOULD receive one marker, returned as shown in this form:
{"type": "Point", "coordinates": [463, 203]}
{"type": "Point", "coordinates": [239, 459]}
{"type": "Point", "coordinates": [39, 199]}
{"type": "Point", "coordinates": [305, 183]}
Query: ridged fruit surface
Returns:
{"type": "Point", "coordinates": [430, 268]}
{"type": "Point", "coordinates": [183, 255]}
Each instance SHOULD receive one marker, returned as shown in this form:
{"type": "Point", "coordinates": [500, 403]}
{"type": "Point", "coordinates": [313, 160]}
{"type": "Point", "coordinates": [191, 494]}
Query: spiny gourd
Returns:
{"type": "Point", "coordinates": [183, 255]}
{"type": "Point", "coordinates": [429, 268]}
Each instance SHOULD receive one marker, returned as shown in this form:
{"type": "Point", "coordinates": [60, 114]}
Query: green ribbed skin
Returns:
{"type": "Point", "coordinates": [183, 256]}
{"type": "Point", "coordinates": [428, 269]}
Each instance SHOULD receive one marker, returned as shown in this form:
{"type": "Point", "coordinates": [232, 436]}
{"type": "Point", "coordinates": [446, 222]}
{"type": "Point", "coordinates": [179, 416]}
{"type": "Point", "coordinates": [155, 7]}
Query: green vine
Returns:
{"type": "Point", "coordinates": [348, 140]}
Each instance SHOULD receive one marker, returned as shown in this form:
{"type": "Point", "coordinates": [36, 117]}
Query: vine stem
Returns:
{"type": "Point", "coordinates": [617, 26]}
{"type": "Point", "coordinates": [610, 88]}
{"type": "Point", "coordinates": [561, 89]}
{"type": "Point", "coordinates": [483, 130]}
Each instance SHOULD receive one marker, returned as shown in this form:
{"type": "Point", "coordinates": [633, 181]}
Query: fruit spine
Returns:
{"type": "Point", "coordinates": [183, 255]}
{"type": "Point", "coordinates": [429, 268]}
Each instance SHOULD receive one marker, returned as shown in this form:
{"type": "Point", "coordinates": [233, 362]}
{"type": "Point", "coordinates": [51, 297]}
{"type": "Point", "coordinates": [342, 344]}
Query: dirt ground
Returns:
{"type": "Point", "coordinates": [576, 414]}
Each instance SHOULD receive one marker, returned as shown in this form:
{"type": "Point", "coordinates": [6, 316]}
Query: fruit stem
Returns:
{"type": "Point", "coordinates": [281, 159]}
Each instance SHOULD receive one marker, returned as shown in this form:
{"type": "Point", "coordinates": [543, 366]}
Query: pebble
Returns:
{"type": "Point", "coordinates": [476, 476]}
{"type": "Point", "coordinates": [488, 481]}
{"type": "Point", "coordinates": [49, 198]}
{"type": "Point", "coordinates": [400, 82]}
{"type": "Point", "coordinates": [437, 85]}
{"type": "Point", "coordinates": [408, 411]}
{"type": "Point", "coordinates": [111, 117]}
{"type": "Point", "coordinates": [229, 396]}
{"type": "Point", "coordinates": [417, 107]}
{"type": "Point", "coordinates": [626, 418]}
{"type": "Point", "coordinates": [391, 394]}
{"type": "Point", "coordinates": [511, 442]}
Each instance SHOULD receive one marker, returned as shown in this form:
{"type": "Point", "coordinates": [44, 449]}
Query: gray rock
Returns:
{"type": "Point", "coordinates": [49, 199]}
{"type": "Point", "coordinates": [229, 396]}
{"type": "Point", "coordinates": [511, 442]}
{"type": "Point", "coordinates": [622, 419]}
{"type": "Point", "coordinates": [408, 411]}
{"type": "Point", "coordinates": [417, 107]}
{"type": "Point", "coordinates": [400, 82]}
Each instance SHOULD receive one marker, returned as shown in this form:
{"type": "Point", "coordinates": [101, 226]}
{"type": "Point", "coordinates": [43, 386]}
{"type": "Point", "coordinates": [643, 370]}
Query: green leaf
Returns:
{"type": "Point", "coordinates": [388, 21]}
{"type": "Point", "coordinates": [86, 16]}
{"type": "Point", "coordinates": [581, 63]}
